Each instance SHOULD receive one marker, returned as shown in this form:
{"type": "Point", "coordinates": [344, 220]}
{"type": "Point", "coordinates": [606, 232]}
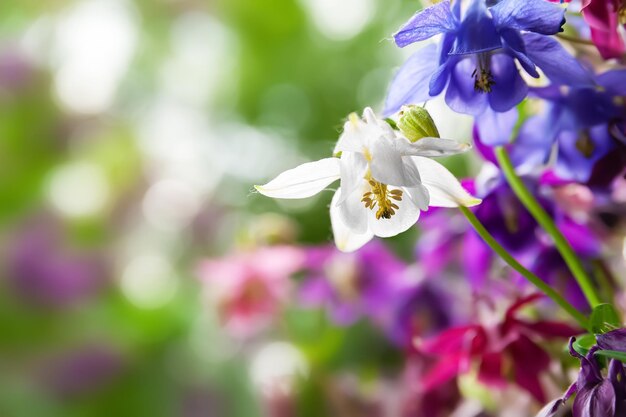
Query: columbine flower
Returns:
{"type": "Point", "coordinates": [596, 395]}
{"type": "Point", "coordinates": [604, 18]}
{"type": "Point", "coordinates": [494, 350]}
{"type": "Point", "coordinates": [249, 289]}
{"type": "Point", "coordinates": [476, 56]}
{"type": "Point", "coordinates": [366, 283]}
{"type": "Point", "coordinates": [385, 181]}
{"type": "Point", "coordinates": [585, 122]}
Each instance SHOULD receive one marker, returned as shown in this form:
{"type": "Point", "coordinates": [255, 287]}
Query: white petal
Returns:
{"type": "Point", "coordinates": [432, 147]}
{"type": "Point", "coordinates": [353, 168]}
{"type": "Point", "coordinates": [346, 239]}
{"type": "Point", "coordinates": [303, 181]}
{"type": "Point", "coordinates": [406, 215]}
{"type": "Point", "coordinates": [444, 189]}
{"type": "Point", "coordinates": [370, 118]}
{"type": "Point", "coordinates": [388, 167]}
{"type": "Point", "coordinates": [420, 196]}
{"type": "Point", "coordinates": [352, 210]}
{"type": "Point", "coordinates": [357, 135]}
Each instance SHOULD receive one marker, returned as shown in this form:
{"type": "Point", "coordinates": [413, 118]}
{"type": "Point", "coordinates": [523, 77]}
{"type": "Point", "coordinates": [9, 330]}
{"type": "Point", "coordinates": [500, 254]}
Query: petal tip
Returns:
{"type": "Point", "coordinates": [472, 202]}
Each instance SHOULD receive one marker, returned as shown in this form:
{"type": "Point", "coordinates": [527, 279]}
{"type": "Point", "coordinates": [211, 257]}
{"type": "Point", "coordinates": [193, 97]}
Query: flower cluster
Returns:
{"type": "Point", "coordinates": [547, 96]}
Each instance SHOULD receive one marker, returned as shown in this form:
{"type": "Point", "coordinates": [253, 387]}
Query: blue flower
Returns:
{"type": "Point", "coordinates": [474, 61]}
{"type": "Point", "coordinates": [584, 123]}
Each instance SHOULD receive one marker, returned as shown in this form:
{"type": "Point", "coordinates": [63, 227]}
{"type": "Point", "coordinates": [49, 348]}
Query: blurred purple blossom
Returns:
{"type": "Point", "coordinates": [353, 285]}
{"type": "Point", "coordinates": [43, 272]}
{"type": "Point", "coordinates": [83, 370]}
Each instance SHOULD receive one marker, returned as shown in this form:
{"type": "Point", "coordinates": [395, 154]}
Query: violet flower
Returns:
{"type": "Point", "coordinates": [475, 61]}
{"type": "Point", "coordinates": [596, 395]}
{"type": "Point", "coordinates": [44, 273]}
{"type": "Point", "coordinates": [586, 122]}
{"type": "Point", "coordinates": [350, 286]}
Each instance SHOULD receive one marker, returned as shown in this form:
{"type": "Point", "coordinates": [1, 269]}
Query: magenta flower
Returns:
{"type": "Point", "coordinates": [510, 344]}
{"type": "Point", "coordinates": [604, 18]}
{"type": "Point", "coordinates": [249, 288]}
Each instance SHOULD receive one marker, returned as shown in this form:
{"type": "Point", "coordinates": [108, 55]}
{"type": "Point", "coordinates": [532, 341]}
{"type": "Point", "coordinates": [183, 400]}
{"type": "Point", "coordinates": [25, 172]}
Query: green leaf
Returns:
{"type": "Point", "coordinates": [584, 343]}
{"type": "Point", "coordinates": [604, 318]}
{"type": "Point", "coordinates": [613, 354]}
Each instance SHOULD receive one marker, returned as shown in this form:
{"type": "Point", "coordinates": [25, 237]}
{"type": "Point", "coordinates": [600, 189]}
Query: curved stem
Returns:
{"type": "Point", "coordinates": [574, 39]}
{"type": "Point", "coordinates": [545, 221]}
{"type": "Point", "coordinates": [532, 278]}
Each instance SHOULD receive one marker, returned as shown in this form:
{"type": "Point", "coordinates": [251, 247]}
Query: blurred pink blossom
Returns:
{"type": "Point", "coordinates": [248, 289]}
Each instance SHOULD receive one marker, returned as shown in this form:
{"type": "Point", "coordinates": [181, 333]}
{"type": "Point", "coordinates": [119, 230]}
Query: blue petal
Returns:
{"type": "Point", "coordinates": [513, 40]}
{"type": "Point", "coordinates": [495, 129]}
{"type": "Point", "coordinates": [537, 16]}
{"type": "Point", "coordinates": [410, 84]}
{"type": "Point", "coordinates": [571, 163]}
{"type": "Point", "coordinates": [509, 88]}
{"type": "Point", "coordinates": [534, 143]}
{"type": "Point", "coordinates": [427, 23]}
{"type": "Point", "coordinates": [477, 32]}
{"type": "Point", "coordinates": [446, 46]}
{"type": "Point", "coordinates": [558, 65]}
{"type": "Point", "coordinates": [613, 81]}
{"type": "Point", "coordinates": [461, 95]}
{"type": "Point", "coordinates": [591, 107]}
{"type": "Point", "coordinates": [440, 77]}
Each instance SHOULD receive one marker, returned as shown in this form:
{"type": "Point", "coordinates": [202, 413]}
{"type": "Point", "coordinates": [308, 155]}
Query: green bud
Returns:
{"type": "Point", "coordinates": [415, 123]}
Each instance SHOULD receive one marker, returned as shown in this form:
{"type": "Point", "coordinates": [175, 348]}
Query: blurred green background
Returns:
{"type": "Point", "coordinates": [131, 133]}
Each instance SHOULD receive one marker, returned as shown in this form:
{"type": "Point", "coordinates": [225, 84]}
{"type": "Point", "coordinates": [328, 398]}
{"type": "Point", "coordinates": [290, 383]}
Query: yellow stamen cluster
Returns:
{"type": "Point", "coordinates": [483, 80]}
{"type": "Point", "coordinates": [382, 197]}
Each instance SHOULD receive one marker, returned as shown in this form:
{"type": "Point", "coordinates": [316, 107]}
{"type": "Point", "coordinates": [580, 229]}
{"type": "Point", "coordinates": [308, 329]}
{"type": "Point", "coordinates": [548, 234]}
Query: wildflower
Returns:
{"type": "Point", "coordinates": [492, 349]}
{"type": "Point", "coordinates": [366, 283]}
{"type": "Point", "coordinates": [475, 59]}
{"type": "Point", "coordinates": [249, 288]}
{"type": "Point", "coordinates": [604, 18]}
{"type": "Point", "coordinates": [596, 395]}
{"type": "Point", "coordinates": [385, 181]}
{"type": "Point", "coordinates": [585, 122]}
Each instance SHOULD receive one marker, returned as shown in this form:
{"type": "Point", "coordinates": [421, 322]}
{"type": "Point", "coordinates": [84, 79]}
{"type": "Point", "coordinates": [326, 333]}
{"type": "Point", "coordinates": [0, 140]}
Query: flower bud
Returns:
{"type": "Point", "coordinates": [415, 123]}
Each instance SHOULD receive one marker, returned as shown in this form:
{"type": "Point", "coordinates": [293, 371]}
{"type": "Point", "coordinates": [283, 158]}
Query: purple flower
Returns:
{"type": "Point", "coordinates": [596, 395]}
{"type": "Point", "coordinates": [83, 370]}
{"type": "Point", "coordinates": [364, 283]}
{"type": "Point", "coordinates": [421, 310]}
{"type": "Point", "coordinates": [475, 61]}
{"type": "Point", "coordinates": [44, 273]}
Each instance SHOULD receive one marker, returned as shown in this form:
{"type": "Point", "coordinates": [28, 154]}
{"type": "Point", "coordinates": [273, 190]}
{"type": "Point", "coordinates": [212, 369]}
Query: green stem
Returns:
{"type": "Point", "coordinates": [532, 278]}
{"type": "Point", "coordinates": [544, 220]}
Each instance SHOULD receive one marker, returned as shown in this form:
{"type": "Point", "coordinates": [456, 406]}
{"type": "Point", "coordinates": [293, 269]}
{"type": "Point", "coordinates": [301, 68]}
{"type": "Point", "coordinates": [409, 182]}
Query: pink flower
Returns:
{"type": "Point", "coordinates": [604, 18]}
{"type": "Point", "coordinates": [249, 288]}
{"type": "Point", "coordinates": [510, 344]}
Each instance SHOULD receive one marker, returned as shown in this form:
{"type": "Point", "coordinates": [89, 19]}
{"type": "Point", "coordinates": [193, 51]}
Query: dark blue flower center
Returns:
{"type": "Point", "coordinates": [483, 79]}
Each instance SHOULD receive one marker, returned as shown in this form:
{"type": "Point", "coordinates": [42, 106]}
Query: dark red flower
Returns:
{"type": "Point", "coordinates": [503, 352]}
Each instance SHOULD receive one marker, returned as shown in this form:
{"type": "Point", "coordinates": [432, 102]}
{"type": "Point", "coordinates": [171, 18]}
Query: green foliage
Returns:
{"type": "Point", "coordinates": [604, 318]}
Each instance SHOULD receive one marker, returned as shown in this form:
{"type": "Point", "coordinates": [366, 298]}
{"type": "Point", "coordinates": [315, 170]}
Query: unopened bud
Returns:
{"type": "Point", "coordinates": [415, 123]}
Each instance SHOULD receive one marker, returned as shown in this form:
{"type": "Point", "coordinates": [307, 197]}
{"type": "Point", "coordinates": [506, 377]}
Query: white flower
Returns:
{"type": "Point", "coordinates": [385, 181]}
